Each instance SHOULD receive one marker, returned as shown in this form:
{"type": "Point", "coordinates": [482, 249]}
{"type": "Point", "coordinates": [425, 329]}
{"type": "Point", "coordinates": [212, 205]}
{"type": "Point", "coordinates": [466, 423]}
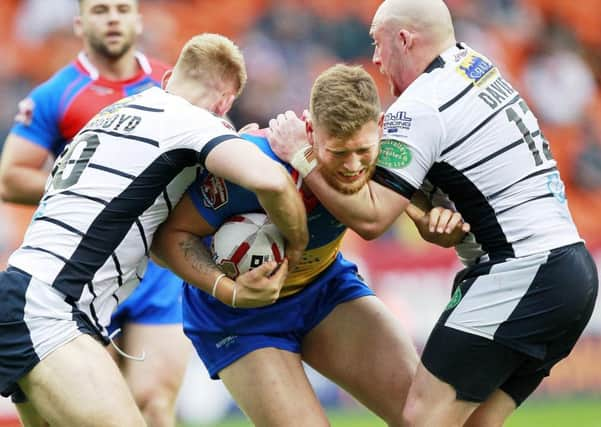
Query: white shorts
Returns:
{"type": "Point", "coordinates": [35, 320]}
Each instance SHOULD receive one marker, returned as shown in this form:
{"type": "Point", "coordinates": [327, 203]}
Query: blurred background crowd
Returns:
{"type": "Point", "coordinates": [550, 50]}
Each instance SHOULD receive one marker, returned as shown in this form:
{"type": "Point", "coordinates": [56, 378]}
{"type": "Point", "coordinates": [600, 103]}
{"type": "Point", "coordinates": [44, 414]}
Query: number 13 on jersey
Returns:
{"type": "Point", "coordinates": [528, 135]}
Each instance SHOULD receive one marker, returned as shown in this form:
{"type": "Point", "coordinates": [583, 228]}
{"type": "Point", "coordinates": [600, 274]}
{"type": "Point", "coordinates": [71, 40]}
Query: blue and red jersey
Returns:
{"type": "Point", "coordinates": [58, 108]}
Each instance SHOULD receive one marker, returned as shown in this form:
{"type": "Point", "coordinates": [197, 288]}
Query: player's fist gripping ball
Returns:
{"type": "Point", "coordinates": [246, 241]}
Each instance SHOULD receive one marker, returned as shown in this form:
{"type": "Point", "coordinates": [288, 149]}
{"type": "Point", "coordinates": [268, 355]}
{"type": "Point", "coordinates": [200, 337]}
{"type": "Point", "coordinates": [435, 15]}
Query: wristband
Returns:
{"type": "Point", "coordinates": [215, 283]}
{"type": "Point", "coordinates": [300, 160]}
{"type": "Point", "coordinates": [234, 296]}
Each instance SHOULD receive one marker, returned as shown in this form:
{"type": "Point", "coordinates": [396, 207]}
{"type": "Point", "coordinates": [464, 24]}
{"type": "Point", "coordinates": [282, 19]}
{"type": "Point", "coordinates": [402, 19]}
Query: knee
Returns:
{"type": "Point", "coordinates": [410, 413]}
{"type": "Point", "coordinates": [394, 417]}
{"type": "Point", "coordinates": [485, 419]}
{"type": "Point", "coordinates": [157, 405]}
{"type": "Point", "coordinates": [159, 411]}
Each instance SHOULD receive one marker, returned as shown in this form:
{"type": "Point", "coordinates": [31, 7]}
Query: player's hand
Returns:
{"type": "Point", "coordinates": [443, 227]}
{"type": "Point", "coordinates": [286, 135]}
{"type": "Point", "coordinates": [260, 286]}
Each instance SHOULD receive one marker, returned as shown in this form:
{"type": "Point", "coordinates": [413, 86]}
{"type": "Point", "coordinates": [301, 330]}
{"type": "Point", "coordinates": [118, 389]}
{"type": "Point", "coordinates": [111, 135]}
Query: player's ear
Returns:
{"type": "Point", "coordinates": [166, 78]}
{"type": "Point", "coordinates": [224, 104]}
{"type": "Point", "coordinates": [77, 26]}
{"type": "Point", "coordinates": [309, 130]}
{"type": "Point", "coordinates": [406, 39]}
{"type": "Point", "coordinates": [381, 125]}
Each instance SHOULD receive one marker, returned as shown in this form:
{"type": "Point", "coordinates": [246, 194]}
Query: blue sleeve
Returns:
{"type": "Point", "coordinates": [39, 116]}
{"type": "Point", "coordinates": [216, 199]}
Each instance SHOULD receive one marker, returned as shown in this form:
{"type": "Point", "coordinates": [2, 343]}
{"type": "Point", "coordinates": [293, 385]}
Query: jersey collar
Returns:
{"type": "Point", "coordinates": [89, 68]}
{"type": "Point", "coordinates": [441, 59]}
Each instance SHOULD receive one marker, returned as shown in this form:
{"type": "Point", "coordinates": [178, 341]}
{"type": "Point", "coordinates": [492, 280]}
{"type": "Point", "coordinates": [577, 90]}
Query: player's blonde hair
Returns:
{"type": "Point", "coordinates": [343, 99]}
{"type": "Point", "coordinates": [212, 59]}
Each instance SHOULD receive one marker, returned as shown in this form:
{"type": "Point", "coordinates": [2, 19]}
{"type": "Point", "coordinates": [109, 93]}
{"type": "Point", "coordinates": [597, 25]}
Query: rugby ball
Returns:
{"type": "Point", "coordinates": [246, 241]}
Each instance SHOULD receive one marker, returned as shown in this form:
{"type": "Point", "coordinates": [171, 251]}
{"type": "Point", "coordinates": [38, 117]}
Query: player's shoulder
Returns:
{"type": "Point", "coordinates": [59, 82]}
{"type": "Point", "coordinates": [451, 75]}
{"type": "Point", "coordinates": [259, 138]}
{"type": "Point", "coordinates": [187, 121]}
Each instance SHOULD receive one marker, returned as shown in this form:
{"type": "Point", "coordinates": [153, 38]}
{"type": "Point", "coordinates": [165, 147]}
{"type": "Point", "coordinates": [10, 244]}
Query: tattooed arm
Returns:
{"type": "Point", "coordinates": [178, 245]}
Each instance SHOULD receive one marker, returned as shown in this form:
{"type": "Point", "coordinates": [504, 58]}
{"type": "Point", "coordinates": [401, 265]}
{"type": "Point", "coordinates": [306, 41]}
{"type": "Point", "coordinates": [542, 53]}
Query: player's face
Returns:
{"type": "Point", "coordinates": [387, 56]}
{"type": "Point", "coordinates": [347, 165]}
{"type": "Point", "coordinates": [109, 27]}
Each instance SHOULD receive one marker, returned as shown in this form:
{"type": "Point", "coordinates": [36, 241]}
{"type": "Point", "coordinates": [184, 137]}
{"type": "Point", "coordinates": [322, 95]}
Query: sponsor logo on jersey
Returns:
{"type": "Point", "coordinates": [214, 192]}
{"type": "Point", "coordinates": [393, 122]}
{"type": "Point", "coordinates": [228, 125]}
{"type": "Point", "coordinates": [475, 68]}
{"type": "Point", "coordinates": [102, 90]}
{"type": "Point", "coordinates": [459, 56]}
{"type": "Point", "coordinates": [455, 299]}
{"type": "Point", "coordinates": [394, 154]}
{"type": "Point", "coordinates": [25, 111]}
{"type": "Point", "coordinates": [556, 187]}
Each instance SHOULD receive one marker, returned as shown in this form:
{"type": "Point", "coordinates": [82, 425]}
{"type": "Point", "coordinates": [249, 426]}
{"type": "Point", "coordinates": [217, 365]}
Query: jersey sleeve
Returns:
{"type": "Point", "coordinates": [38, 115]}
{"type": "Point", "coordinates": [200, 131]}
{"type": "Point", "coordinates": [216, 199]}
{"type": "Point", "coordinates": [410, 144]}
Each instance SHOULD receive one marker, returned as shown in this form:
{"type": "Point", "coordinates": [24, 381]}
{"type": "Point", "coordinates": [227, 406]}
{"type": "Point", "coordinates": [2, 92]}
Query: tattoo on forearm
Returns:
{"type": "Point", "coordinates": [197, 254]}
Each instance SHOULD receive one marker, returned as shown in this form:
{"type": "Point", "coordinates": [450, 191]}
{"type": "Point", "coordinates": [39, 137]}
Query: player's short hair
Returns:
{"type": "Point", "coordinates": [212, 59]}
{"type": "Point", "coordinates": [343, 99]}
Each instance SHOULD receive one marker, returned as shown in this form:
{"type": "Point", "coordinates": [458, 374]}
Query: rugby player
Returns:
{"type": "Point", "coordinates": [530, 286]}
{"type": "Point", "coordinates": [107, 69]}
{"type": "Point", "coordinates": [89, 241]}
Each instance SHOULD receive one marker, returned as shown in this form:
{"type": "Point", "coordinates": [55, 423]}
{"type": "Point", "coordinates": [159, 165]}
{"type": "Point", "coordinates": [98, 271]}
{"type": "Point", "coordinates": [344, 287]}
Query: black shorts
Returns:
{"type": "Point", "coordinates": [508, 323]}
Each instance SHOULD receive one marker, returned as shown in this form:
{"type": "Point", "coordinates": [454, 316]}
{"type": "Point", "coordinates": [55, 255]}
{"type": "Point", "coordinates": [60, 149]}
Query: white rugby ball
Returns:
{"type": "Point", "coordinates": [246, 241]}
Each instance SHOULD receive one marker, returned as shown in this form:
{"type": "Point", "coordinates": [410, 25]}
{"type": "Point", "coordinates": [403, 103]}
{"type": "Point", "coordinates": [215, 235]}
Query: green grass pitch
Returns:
{"type": "Point", "coordinates": [585, 412]}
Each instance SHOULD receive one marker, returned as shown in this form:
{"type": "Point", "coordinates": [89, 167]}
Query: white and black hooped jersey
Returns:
{"type": "Point", "coordinates": [463, 128]}
{"type": "Point", "coordinates": [108, 192]}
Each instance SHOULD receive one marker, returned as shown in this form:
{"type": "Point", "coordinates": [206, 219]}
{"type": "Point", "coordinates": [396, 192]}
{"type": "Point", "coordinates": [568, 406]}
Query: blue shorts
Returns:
{"type": "Point", "coordinates": [156, 300]}
{"type": "Point", "coordinates": [222, 334]}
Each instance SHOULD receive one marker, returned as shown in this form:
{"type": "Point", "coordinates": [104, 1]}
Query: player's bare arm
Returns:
{"type": "Point", "coordinates": [273, 186]}
{"type": "Point", "coordinates": [374, 208]}
{"type": "Point", "coordinates": [369, 212]}
{"type": "Point", "coordinates": [22, 171]}
{"type": "Point", "coordinates": [178, 243]}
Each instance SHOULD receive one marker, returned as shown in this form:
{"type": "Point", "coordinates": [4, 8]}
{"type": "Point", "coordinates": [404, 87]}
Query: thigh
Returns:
{"type": "Point", "coordinates": [55, 387]}
{"type": "Point", "coordinates": [271, 387]}
{"type": "Point", "coordinates": [29, 416]}
{"type": "Point", "coordinates": [35, 320]}
{"type": "Point", "coordinates": [362, 347]}
{"type": "Point", "coordinates": [433, 402]}
{"type": "Point", "coordinates": [472, 365]}
{"type": "Point", "coordinates": [493, 412]}
{"type": "Point", "coordinates": [167, 352]}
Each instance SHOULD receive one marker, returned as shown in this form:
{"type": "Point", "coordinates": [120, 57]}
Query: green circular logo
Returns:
{"type": "Point", "coordinates": [394, 154]}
